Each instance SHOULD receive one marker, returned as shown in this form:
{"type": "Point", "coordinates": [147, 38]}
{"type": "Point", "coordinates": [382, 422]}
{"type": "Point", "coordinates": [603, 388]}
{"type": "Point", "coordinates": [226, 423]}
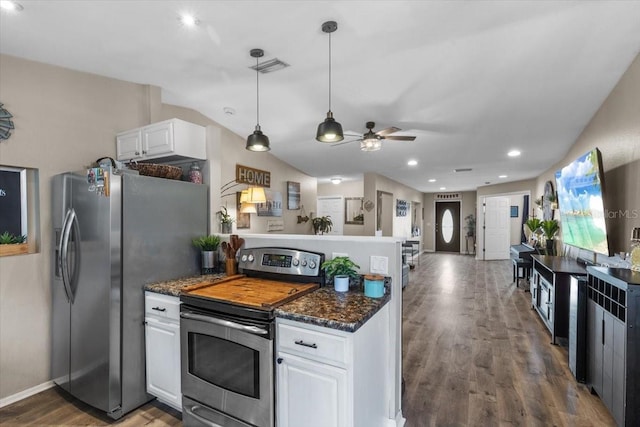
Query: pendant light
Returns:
{"type": "Point", "coordinates": [257, 141]}
{"type": "Point", "coordinates": [329, 130]}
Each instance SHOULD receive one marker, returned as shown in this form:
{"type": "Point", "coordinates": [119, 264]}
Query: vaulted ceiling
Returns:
{"type": "Point", "coordinates": [472, 80]}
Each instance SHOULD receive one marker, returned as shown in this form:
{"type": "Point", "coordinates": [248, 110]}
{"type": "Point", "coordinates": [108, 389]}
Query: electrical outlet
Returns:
{"type": "Point", "coordinates": [337, 254]}
{"type": "Point", "coordinates": [379, 264]}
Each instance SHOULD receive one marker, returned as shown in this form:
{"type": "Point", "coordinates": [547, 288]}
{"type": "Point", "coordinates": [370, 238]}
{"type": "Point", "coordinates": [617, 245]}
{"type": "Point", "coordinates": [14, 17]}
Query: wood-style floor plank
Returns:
{"type": "Point", "coordinates": [474, 354]}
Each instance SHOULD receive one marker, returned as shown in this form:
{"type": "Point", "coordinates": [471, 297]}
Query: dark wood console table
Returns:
{"type": "Point", "coordinates": [550, 289]}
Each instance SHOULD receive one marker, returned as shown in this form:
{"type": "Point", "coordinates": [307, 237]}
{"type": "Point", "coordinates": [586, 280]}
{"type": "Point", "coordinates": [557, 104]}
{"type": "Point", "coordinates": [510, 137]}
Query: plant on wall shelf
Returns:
{"type": "Point", "coordinates": [7, 238]}
{"type": "Point", "coordinates": [225, 220]}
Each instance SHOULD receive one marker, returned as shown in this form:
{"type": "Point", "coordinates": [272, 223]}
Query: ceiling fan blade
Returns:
{"type": "Point", "coordinates": [346, 142]}
{"type": "Point", "coordinates": [388, 131]}
{"type": "Point", "coordinates": [400, 138]}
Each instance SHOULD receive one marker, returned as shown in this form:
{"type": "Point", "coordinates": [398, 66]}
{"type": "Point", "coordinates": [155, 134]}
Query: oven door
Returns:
{"type": "Point", "coordinates": [227, 365]}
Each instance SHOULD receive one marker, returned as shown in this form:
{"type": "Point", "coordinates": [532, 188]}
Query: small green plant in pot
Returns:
{"type": "Point", "coordinates": [550, 229]}
{"type": "Point", "coordinates": [7, 238]}
{"type": "Point", "coordinates": [340, 269]}
{"type": "Point", "coordinates": [208, 246]}
{"type": "Point", "coordinates": [225, 220]}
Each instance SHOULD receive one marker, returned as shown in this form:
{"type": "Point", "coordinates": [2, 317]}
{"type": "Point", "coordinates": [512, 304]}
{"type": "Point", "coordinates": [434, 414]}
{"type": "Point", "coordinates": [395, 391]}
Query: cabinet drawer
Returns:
{"type": "Point", "coordinates": [163, 306]}
{"type": "Point", "coordinates": [322, 346]}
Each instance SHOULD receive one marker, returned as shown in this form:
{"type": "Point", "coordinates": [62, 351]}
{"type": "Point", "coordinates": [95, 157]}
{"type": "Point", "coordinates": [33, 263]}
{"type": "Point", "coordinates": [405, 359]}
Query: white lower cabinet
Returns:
{"type": "Point", "coordinates": [162, 344]}
{"type": "Point", "coordinates": [331, 378]}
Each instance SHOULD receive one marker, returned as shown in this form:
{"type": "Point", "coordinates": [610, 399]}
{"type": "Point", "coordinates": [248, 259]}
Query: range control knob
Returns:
{"type": "Point", "coordinates": [250, 258]}
{"type": "Point", "coordinates": [312, 265]}
{"type": "Point", "coordinates": [295, 262]}
{"type": "Point", "coordinates": [304, 262]}
{"type": "Point", "coordinates": [243, 258]}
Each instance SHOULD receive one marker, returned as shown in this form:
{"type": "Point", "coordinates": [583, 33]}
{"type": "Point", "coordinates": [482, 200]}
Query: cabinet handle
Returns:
{"type": "Point", "coordinates": [602, 331]}
{"type": "Point", "coordinates": [144, 151]}
{"type": "Point", "coordinates": [305, 344]}
{"type": "Point", "coordinates": [158, 309]}
{"type": "Point", "coordinates": [279, 360]}
{"type": "Point", "coordinates": [137, 153]}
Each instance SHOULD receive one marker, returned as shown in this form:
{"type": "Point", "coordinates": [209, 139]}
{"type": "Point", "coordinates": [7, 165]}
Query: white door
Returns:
{"type": "Point", "coordinates": [332, 206]}
{"type": "Point", "coordinates": [497, 228]}
{"type": "Point", "coordinates": [310, 394]}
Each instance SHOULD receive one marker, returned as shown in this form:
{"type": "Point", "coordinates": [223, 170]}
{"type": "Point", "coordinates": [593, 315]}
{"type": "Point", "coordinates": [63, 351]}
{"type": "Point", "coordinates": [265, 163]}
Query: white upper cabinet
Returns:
{"type": "Point", "coordinates": [172, 139]}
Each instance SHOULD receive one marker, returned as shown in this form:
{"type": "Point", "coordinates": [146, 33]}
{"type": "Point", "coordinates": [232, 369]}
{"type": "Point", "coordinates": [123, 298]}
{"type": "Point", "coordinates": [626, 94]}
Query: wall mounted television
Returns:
{"type": "Point", "coordinates": [581, 204]}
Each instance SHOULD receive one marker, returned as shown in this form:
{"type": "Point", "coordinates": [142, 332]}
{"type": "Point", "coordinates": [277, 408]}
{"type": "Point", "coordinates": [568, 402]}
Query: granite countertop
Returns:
{"type": "Point", "coordinates": [345, 311]}
{"type": "Point", "coordinates": [175, 286]}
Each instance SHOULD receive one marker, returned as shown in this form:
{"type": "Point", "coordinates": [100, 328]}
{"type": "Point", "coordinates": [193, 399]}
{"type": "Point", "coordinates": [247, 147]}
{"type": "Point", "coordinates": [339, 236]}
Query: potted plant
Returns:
{"type": "Point", "coordinates": [470, 225]}
{"type": "Point", "coordinates": [225, 220]}
{"type": "Point", "coordinates": [321, 224]}
{"type": "Point", "coordinates": [11, 244]}
{"type": "Point", "coordinates": [550, 229]}
{"type": "Point", "coordinates": [208, 246]}
{"type": "Point", "coordinates": [340, 269]}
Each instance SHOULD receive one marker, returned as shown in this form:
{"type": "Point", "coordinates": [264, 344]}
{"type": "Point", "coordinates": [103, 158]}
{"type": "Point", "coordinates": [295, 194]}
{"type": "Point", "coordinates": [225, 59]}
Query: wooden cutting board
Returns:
{"type": "Point", "coordinates": [250, 291]}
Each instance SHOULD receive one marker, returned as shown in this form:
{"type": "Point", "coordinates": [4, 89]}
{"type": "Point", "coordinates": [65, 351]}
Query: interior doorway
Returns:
{"type": "Point", "coordinates": [384, 214]}
{"type": "Point", "coordinates": [448, 226]}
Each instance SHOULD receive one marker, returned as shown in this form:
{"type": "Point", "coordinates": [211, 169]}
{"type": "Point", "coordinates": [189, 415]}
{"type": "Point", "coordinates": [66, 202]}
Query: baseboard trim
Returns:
{"type": "Point", "coordinates": [25, 393]}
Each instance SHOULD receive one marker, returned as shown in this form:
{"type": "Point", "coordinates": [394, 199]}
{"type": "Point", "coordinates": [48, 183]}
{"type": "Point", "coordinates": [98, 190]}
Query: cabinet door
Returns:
{"type": "Point", "coordinates": [594, 345]}
{"type": "Point", "coordinates": [533, 288]}
{"type": "Point", "coordinates": [129, 145]}
{"type": "Point", "coordinates": [163, 361]}
{"type": "Point", "coordinates": [158, 139]}
{"type": "Point", "coordinates": [311, 394]}
{"type": "Point", "coordinates": [616, 341]}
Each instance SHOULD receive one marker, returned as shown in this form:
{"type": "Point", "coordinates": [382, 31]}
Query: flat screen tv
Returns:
{"type": "Point", "coordinates": [580, 201]}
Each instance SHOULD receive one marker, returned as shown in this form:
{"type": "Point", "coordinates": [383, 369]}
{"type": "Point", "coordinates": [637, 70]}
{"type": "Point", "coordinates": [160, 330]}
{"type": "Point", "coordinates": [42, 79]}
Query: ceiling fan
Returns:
{"type": "Point", "coordinates": [372, 141]}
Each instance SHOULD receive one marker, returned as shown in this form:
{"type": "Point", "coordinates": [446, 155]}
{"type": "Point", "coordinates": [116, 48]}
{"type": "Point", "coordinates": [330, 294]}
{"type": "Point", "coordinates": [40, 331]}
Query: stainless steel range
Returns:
{"type": "Point", "coordinates": [227, 336]}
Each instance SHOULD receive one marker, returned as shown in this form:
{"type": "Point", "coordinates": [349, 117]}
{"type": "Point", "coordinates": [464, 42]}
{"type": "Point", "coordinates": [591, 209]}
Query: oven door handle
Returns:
{"type": "Point", "coordinates": [192, 411]}
{"type": "Point", "coordinates": [226, 323]}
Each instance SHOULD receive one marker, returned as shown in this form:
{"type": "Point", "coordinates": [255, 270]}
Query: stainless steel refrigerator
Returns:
{"type": "Point", "coordinates": [114, 232]}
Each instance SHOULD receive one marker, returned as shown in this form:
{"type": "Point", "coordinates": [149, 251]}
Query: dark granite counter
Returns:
{"type": "Point", "coordinates": [174, 287]}
{"type": "Point", "coordinates": [345, 311]}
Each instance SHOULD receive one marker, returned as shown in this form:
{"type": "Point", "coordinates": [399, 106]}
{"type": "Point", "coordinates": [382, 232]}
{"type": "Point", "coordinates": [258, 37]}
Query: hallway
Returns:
{"type": "Point", "coordinates": [474, 353]}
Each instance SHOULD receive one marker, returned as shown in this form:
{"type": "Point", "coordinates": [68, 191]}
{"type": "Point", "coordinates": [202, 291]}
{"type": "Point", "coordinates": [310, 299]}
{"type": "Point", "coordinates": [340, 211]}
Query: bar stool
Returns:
{"type": "Point", "coordinates": [525, 265]}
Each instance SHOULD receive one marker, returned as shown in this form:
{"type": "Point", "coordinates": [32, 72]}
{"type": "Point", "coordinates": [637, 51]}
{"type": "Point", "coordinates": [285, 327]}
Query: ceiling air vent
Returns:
{"type": "Point", "coordinates": [270, 66]}
{"type": "Point", "coordinates": [463, 170]}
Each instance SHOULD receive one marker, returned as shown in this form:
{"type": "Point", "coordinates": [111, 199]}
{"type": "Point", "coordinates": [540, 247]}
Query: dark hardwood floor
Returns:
{"type": "Point", "coordinates": [474, 354]}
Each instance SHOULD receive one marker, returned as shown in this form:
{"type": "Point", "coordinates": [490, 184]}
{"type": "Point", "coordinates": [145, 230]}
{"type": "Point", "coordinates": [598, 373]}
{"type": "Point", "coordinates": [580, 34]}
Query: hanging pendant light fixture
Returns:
{"type": "Point", "coordinates": [329, 130]}
{"type": "Point", "coordinates": [257, 141]}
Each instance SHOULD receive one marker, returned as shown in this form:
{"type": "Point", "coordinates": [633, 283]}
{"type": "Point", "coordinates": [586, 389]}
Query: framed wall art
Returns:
{"type": "Point", "coordinates": [293, 195]}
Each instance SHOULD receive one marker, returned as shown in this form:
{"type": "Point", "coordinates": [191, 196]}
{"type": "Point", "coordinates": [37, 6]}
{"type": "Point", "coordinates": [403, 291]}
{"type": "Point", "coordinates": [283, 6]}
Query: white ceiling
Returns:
{"type": "Point", "coordinates": [471, 80]}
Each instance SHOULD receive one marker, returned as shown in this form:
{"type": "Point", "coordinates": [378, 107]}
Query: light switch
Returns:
{"type": "Point", "coordinates": [379, 264]}
{"type": "Point", "coordinates": [337, 254]}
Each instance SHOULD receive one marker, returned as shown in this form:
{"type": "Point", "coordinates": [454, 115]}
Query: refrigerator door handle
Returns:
{"type": "Point", "coordinates": [64, 251]}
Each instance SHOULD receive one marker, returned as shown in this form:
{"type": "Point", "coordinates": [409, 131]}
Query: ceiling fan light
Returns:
{"type": "Point", "coordinates": [329, 130]}
{"type": "Point", "coordinates": [258, 141]}
{"type": "Point", "coordinates": [370, 144]}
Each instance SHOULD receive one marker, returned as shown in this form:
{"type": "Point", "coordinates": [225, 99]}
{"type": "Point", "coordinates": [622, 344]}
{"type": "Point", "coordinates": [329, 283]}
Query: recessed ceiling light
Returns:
{"type": "Point", "coordinates": [412, 162]}
{"type": "Point", "coordinates": [188, 20]}
{"type": "Point", "coordinates": [336, 180]}
{"type": "Point", "coordinates": [513, 153]}
{"type": "Point", "coordinates": [443, 188]}
{"type": "Point", "coordinates": [432, 180]}
{"type": "Point", "coordinates": [502, 176]}
{"type": "Point", "coordinates": [10, 5]}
